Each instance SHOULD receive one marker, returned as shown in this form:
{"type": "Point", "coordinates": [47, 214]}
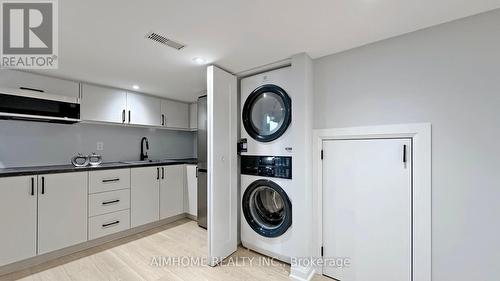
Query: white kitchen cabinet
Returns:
{"type": "Point", "coordinates": [15, 79]}
{"type": "Point", "coordinates": [18, 200]}
{"type": "Point", "coordinates": [107, 224]}
{"type": "Point", "coordinates": [191, 191]}
{"type": "Point", "coordinates": [143, 110]}
{"type": "Point", "coordinates": [193, 116]}
{"type": "Point", "coordinates": [62, 210]}
{"type": "Point", "coordinates": [172, 190]}
{"type": "Point", "coordinates": [103, 104]}
{"type": "Point", "coordinates": [175, 114]}
{"type": "Point", "coordinates": [144, 195]}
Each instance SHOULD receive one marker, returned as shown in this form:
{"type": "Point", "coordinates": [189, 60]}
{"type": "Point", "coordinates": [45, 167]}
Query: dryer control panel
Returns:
{"type": "Point", "coordinates": [267, 166]}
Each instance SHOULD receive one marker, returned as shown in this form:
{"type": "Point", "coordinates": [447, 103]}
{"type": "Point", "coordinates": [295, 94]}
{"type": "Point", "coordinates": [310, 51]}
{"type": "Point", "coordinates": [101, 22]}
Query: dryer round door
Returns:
{"type": "Point", "coordinates": [267, 208]}
{"type": "Point", "coordinates": [267, 113]}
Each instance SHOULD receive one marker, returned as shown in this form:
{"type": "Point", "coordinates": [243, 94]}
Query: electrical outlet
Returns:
{"type": "Point", "coordinates": [100, 146]}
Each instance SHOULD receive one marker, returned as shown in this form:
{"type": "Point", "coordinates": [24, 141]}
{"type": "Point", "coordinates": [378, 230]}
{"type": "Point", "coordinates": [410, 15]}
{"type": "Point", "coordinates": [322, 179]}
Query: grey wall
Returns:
{"type": "Point", "coordinates": [32, 144]}
{"type": "Point", "coordinates": [449, 76]}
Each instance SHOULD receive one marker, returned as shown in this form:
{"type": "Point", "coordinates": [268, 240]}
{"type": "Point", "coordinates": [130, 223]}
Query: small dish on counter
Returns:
{"type": "Point", "coordinates": [80, 160]}
{"type": "Point", "coordinates": [95, 159]}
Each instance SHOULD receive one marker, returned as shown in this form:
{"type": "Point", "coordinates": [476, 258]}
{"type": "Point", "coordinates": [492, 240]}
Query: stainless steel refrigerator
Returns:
{"type": "Point", "coordinates": [201, 170]}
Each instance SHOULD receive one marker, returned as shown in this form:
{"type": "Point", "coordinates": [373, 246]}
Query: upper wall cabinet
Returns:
{"type": "Point", "coordinates": [111, 105]}
{"type": "Point", "coordinates": [175, 114]}
{"type": "Point", "coordinates": [19, 79]}
{"type": "Point", "coordinates": [143, 110]}
{"type": "Point", "coordinates": [103, 104]}
{"type": "Point", "coordinates": [193, 116]}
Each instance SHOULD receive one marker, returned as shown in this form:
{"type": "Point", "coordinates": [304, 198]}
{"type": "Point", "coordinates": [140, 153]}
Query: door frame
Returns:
{"type": "Point", "coordinates": [420, 133]}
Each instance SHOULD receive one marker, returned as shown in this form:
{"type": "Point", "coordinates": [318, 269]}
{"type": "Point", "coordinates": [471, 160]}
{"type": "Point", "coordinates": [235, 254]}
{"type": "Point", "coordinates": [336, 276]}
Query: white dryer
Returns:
{"type": "Point", "coordinates": [267, 184]}
{"type": "Point", "coordinates": [266, 113]}
{"type": "Point", "coordinates": [266, 206]}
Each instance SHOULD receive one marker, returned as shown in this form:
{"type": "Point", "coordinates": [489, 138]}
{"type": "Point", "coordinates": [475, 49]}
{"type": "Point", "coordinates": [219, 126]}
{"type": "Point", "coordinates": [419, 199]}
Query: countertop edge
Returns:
{"type": "Point", "coordinates": [59, 169]}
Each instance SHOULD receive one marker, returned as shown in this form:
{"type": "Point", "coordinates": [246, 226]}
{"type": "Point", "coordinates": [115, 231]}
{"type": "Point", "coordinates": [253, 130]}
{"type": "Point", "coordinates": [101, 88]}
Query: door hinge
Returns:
{"type": "Point", "coordinates": [321, 250]}
{"type": "Point", "coordinates": [322, 154]}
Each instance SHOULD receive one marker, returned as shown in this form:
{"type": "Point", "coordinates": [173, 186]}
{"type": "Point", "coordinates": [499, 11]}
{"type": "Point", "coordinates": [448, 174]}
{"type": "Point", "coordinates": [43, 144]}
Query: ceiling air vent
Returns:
{"type": "Point", "coordinates": [164, 40]}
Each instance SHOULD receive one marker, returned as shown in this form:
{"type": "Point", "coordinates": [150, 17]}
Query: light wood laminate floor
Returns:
{"type": "Point", "coordinates": [130, 258]}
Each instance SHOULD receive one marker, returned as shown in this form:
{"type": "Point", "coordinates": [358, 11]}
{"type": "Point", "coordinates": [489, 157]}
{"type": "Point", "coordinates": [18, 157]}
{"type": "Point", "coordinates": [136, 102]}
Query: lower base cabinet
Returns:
{"type": "Point", "coordinates": [62, 210]}
{"type": "Point", "coordinates": [191, 191]}
{"type": "Point", "coordinates": [172, 190]}
{"type": "Point", "coordinates": [144, 195]}
{"type": "Point", "coordinates": [45, 213]}
{"type": "Point", "coordinates": [18, 201]}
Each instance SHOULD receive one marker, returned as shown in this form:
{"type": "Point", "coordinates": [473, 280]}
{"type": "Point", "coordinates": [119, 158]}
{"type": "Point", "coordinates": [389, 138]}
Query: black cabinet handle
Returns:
{"type": "Point", "coordinates": [110, 202]}
{"type": "Point", "coordinates": [163, 119]}
{"type": "Point", "coordinates": [129, 116]}
{"type": "Point", "coordinates": [162, 173]}
{"type": "Point", "coordinates": [110, 224]}
{"type": "Point", "coordinates": [43, 185]}
{"type": "Point", "coordinates": [110, 180]}
{"type": "Point", "coordinates": [123, 116]}
{"type": "Point", "coordinates": [32, 186]}
{"type": "Point", "coordinates": [404, 154]}
{"type": "Point", "coordinates": [32, 89]}
{"type": "Point", "coordinates": [157, 173]}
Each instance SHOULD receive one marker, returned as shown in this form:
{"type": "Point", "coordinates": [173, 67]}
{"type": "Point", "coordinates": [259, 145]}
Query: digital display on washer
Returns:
{"type": "Point", "coordinates": [267, 166]}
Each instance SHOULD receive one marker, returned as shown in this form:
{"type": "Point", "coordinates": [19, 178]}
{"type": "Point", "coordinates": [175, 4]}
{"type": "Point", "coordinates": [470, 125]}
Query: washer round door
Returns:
{"type": "Point", "coordinates": [267, 208]}
{"type": "Point", "coordinates": [267, 113]}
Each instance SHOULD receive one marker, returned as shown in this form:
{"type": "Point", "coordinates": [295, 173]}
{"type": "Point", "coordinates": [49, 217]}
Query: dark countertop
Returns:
{"type": "Point", "coordinates": [54, 169]}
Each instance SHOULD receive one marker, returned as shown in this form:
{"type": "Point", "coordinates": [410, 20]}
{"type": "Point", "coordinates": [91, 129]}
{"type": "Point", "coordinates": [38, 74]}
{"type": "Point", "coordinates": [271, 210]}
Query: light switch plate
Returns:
{"type": "Point", "coordinates": [100, 146]}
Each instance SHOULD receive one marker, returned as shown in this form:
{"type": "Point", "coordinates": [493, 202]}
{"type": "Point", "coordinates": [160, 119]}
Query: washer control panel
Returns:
{"type": "Point", "coordinates": [267, 166]}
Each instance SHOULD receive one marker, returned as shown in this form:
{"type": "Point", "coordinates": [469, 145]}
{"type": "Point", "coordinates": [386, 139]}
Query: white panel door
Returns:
{"type": "Point", "coordinates": [62, 210]}
{"type": "Point", "coordinates": [144, 195]}
{"type": "Point", "coordinates": [172, 190]}
{"type": "Point", "coordinates": [191, 191]}
{"type": "Point", "coordinates": [222, 164]}
{"type": "Point", "coordinates": [367, 208]}
{"type": "Point", "coordinates": [143, 110]}
{"type": "Point", "coordinates": [175, 114]}
{"type": "Point", "coordinates": [103, 104]}
{"type": "Point", "coordinates": [17, 219]}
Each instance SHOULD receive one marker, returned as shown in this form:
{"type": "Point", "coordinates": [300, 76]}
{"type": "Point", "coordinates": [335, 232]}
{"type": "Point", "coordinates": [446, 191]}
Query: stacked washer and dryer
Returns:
{"type": "Point", "coordinates": [267, 185]}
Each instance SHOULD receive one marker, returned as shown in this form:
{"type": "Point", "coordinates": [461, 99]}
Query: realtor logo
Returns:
{"type": "Point", "coordinates": [29, 34]}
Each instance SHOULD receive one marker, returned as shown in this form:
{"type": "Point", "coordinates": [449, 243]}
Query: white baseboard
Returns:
{"type": "Point", "coordinates": [191, 217]}
{"type": "Point", "coordinates": [301, 273]}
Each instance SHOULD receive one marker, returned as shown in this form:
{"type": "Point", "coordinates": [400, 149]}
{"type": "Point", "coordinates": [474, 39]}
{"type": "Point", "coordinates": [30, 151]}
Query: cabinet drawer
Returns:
{"type": "Point", "coordinates": [108, 202]}
{"type": "Point", "coordinates": [108, 224]}
{"type": "Point", "coordinates": [108, 180]}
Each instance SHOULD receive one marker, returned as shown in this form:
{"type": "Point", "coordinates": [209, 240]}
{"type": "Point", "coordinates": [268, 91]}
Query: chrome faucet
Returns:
{"type": "Point", "coordinates": [144, 155]}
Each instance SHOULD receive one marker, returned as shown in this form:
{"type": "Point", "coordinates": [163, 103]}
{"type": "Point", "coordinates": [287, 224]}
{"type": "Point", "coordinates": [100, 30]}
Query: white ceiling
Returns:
{"type": "Point", "coordinates": [103, 41]}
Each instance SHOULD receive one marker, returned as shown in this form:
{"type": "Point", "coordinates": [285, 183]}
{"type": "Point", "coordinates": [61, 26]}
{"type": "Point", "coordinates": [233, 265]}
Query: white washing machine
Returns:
{"type": "Point", "coordinates": [267, 184]}
{"type": "Point", "coordinates": [266, 206]}
{"type": "Point", "coordinates": [266, 113]}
